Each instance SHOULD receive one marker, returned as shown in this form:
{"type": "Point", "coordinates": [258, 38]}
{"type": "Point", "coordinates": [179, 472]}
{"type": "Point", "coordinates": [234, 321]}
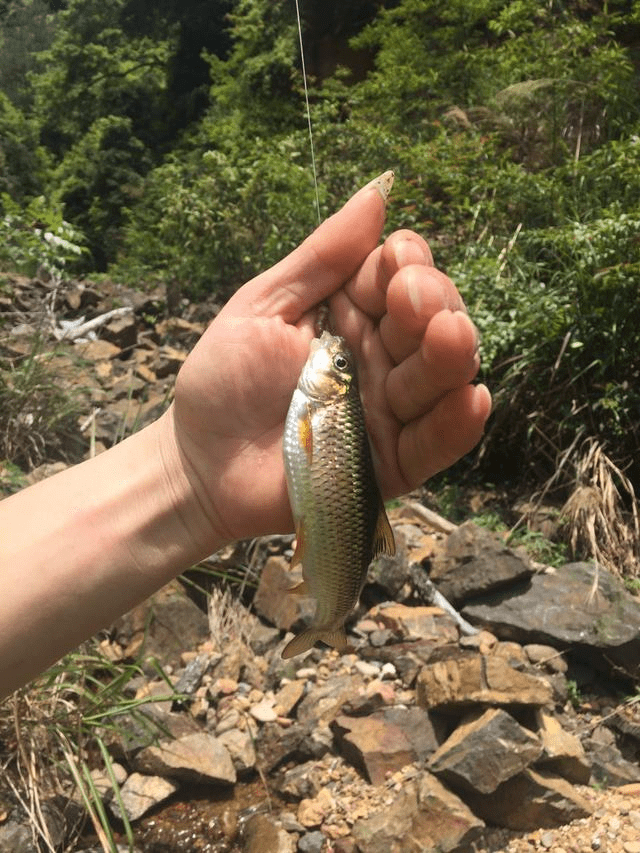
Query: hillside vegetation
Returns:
{"type": "Point", "coordinates": [167, 142]}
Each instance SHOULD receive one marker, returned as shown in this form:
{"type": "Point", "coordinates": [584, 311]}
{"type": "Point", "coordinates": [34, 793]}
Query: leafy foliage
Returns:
{"type": "Point", "coordinates": [178, 145]}
{"type": "Point", "coordinates": [36, 237]}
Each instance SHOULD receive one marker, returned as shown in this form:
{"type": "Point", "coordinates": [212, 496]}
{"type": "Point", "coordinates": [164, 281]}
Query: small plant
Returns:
{"type": "Point", "coordinates": [55, 731]}
{"type": "Point", "coordinates": [37, 415]}
{"type": "Point", "coordinates": [37, 237]}
{"type": "Point", "coordinates": [573, 693]}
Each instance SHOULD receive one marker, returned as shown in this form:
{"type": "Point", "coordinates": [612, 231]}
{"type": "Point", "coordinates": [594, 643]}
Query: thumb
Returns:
{"type": "Point", "coordinates": [322, 263]}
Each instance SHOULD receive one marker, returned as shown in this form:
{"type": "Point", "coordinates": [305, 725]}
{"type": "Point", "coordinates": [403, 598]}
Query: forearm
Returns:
{"type": "Point", "coordinates": [83, 547]}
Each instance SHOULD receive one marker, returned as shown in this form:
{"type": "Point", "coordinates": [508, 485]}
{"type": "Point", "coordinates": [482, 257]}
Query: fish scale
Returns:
{"type": "Point", "coordinates": [340, 519]}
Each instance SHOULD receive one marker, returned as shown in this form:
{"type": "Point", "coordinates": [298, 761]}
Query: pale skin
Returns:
{"type": "Point", "coordinates": [81, 548]}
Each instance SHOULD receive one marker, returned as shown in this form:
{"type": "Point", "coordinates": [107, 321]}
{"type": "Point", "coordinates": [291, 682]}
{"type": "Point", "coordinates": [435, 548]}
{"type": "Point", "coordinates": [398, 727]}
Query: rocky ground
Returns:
{"type": "Point", "coordinates": [509, 723]}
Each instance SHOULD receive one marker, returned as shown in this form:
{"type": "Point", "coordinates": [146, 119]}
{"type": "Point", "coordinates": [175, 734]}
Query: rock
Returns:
{"type": "Point", "coordinates": [323, 702]}
{"type": "Point", "coordinates": [311, 812]}
{"type": "Point", "coordinates": [407, 658]}
{"type": "Point", "coordinates": [608, 765]}
{"type": "Point", "coordinates": [475, 562]}
{"type": "Point", "coordinates": [273, 600]}
{"type": "Point", "coordinates": [191, 677]}
{"type": "Point", "coordinates": [263, 711]}
{"type": "Point", "coordinates": [423, 817]}
{"type": "Point", "coordinates": [239, 745]}
{"type": "Point", "coordinates": [415, 623]}
{"type": "Point", "coordinates": [168, 361]}
{"type": "Point", "coordinates": [562, 752]}
{"type": "Point", "coordinates": [162, 626]}
{"type": "Point", "coordinates": [376, 695]}
{"type": "Point", "coordinates": [546, 656]}
{"type": "Point", "coordinates": [298, 743]}
{"type": "Point", "coordinates": [530, 800]}
{"type": "Point", "coordinates": [16, 838]}
{"type": "Point", "coordinates": [102, 781]}
{"type": "Point", "coordinates": [97, 350]}
{"type": "Point", "coordinates": [121, 331]}
{"type": "Point", "coordinates": [141, 793]}
{"type": "Point", "coordinates": [484, 751]}
{"type": "Point", "coordinates": [178, 330]}
{"type": "Point", "coordinates": [301, 782]}
{"type": "Point", "coordinates": [262, 834]}
{"type": "Point", "coordinates": [472, 678]}
{"type": "Point", "coordinates": [194, 758]}
{"type": "Point", "coordinates": [556, 608]}
{"type": "Point", "coordinates": [311, 842]}
{"type": "Point", "coordinates": [288, 697]}
{"type": "Point", "coordinates": [374, 745]}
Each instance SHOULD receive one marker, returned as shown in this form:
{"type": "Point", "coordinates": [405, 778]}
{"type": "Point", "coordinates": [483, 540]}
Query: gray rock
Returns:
{"type": "Point", "coordinates": [121, 331]}
{"type": "Point", "coordinates": [476, 562]}
{"type": "Point", "coordinates": [608, 765]}
{"type": "Point", "coordinates": [194, 758]}
{"type": "Point", "coordinates": [311, 842]}
{"type": "Point", "coordinates": [323, 702]}
{"type": "Point", "coordinates": [141, 793]}
{"type": "Point", "coordinates": [192, 674]}
{"type": "Point", "coordinates": [16, 838]}
{"type": "Point", "coordinates": [240, 746]}
{"type": "Point", "coordinates": [484, 751]}
{"type": "Point", "coordinates": [531, 800]}
{"type": "Point", "coordinates": [557, 608]}
{"type": "Point", "coordinates": [423, 816]}
{"type": "Point", "coordinates": [163, 626]}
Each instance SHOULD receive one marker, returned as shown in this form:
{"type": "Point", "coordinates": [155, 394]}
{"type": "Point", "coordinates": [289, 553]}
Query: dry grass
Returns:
{"type": "Point", "coordinates": [38, 417]}
{"type": "Point", "coordinates": [601, 513]}
{"type": "Point", "coordinates": [52, 733]}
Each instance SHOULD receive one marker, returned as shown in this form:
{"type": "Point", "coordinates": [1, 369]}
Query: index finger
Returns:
{"type": "Point", "coordinates": [322, 263]}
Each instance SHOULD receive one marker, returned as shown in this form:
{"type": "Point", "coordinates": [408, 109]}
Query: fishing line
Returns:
{"type": "Point", "coordinates": [306, 98]}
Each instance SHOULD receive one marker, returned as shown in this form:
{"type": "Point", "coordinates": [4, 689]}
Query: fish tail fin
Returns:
{"type": "Point", "coordinates": [307, 639]}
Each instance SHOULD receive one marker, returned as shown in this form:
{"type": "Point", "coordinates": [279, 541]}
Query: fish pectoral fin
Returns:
{"type": "Point", "coordinates": [383, 539]}
{"type": "Point", "coordinates": [305, 434]}
{"type": "Point", "coordinates": [298, 554]}
{"type": "Point", "coordinates": [307, 640]}
{"type": "Point", "coordinates": [299, 589]}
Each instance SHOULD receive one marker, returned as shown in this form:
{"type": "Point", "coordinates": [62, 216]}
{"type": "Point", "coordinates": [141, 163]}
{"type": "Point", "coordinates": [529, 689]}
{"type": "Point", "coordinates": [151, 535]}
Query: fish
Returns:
{"type": "Point", "coordinates": [340, 519]}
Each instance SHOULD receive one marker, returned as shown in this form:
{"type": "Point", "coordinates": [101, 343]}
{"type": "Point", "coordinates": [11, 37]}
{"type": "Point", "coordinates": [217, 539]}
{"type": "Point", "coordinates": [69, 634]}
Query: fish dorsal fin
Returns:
{"type": "Point", "coordinates": [383, 539]}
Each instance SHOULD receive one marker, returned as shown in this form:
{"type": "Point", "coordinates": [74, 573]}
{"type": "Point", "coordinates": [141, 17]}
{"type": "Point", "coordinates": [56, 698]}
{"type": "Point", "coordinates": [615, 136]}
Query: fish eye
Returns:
{"type": "Point", "coordinates": [340, 362]}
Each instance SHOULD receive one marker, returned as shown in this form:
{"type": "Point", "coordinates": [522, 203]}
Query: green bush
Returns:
{"type": "Point", "coordinates": [37, 236]}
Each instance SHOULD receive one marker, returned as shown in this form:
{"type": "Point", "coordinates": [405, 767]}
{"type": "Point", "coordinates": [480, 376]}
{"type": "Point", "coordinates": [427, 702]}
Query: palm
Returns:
{"type": "Point", "coordinates": [234, 391]}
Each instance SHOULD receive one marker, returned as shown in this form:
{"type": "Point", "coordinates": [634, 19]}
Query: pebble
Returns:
{"type": "Point", "coordinates": [309, 672]}
{"type": "Point", "coordinates": [264, 711]}
{"type": "Point", "coordinates": [312, 842]}
{"type": "Point", "coordinates": [366, 668]}
{"type": "Point", "coordinates": [547, 839]}
{"type": "Point", "coordinates": [388, 670]}
{"type": "Point", "coordinates": [631, 847]}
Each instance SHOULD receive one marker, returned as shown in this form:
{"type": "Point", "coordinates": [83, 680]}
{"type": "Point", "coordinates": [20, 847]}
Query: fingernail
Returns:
{"type": "Point", "coordinates": [415, 294]}
{"type": "Point", "coordinates": [382, 183]}
{"type": "Point", "coordinates": [482, 401]}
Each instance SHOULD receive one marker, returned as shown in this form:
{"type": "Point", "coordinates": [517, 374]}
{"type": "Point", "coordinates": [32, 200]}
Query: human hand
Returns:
{"type": "Point", "coordinates": [414, 344]}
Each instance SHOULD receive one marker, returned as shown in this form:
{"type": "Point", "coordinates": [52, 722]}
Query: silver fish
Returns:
{"type": "Point", "coordinates": [341, 523]}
